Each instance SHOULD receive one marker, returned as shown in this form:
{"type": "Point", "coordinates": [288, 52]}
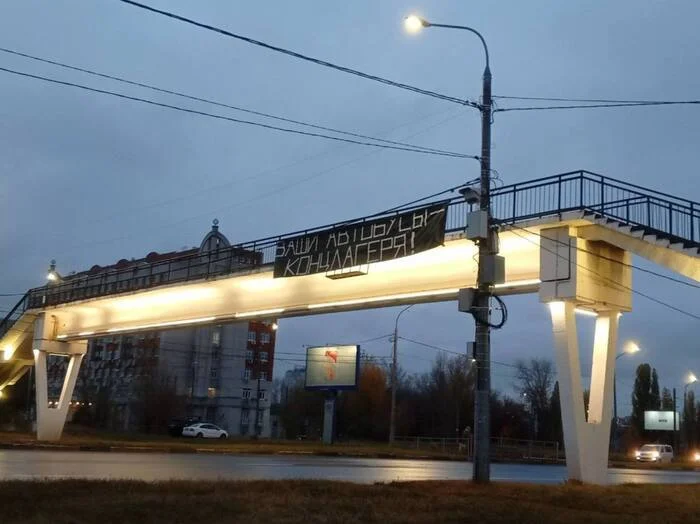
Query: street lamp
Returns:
{"type": "Point", "coordinates": [392, 415]}
{"type": "Point", "coordinates": [488, 248]}
{"type": "Point", "coordinates": [691, 379]}
{"type": "Point", "coordinates": [629, 348]}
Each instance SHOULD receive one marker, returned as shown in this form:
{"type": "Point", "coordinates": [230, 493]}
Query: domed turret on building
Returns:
{"type": "Point", "coordinates": [214, 240]}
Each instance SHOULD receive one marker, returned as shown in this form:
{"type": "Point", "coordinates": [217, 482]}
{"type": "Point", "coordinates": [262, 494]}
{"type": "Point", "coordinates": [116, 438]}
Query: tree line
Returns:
{"type": "Point", "coordinates": [440, 403]}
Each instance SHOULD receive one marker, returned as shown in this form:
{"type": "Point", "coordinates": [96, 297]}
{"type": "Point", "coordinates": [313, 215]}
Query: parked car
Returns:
{"type": "Point", "coordinates": [204, 430]}
{"type": "Point", "coordinates": [654, 453]}
{"type": "Point", "coordinates": [176, 425]}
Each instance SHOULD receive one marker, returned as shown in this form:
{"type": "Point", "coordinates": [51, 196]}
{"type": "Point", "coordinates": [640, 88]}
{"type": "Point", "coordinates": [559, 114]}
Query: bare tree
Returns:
{"type": "Point", "coordinates": [535, 380]}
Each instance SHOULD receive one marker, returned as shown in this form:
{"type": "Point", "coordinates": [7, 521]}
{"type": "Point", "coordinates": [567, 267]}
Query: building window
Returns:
{"type": "Point", "coordinates": [262, 394]}
{"type": "Point", "coordinates": [246, 393]}
{"type": "Point", "coordinates": [252, 337]}
{"type": "Point", "coordinates": [245, 416]}
{"type": "Point", "coordinates": [211, 392]}
{"type": "Point", "coordinates": [264, 338]}
{"type": "Point", "coordinates": [214, 373]}
{"type": "Point", "coordinates": [246, 374]}
{"type": "Point", "coordinates": [263, 375]}
{"type": "Point", "coordinates": [249, 355]}
{"type": "Point", "coordinates": [216, 337]}
{"type": "Point", "coordinates": [263, 356]}
{"type": "Point", "coordinates": [215, 354]}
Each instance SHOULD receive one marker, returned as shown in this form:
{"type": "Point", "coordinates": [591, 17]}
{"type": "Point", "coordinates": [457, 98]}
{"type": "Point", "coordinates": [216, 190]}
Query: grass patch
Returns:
{"type": "Point", "coordinates": [82, 501]}
{"type": "Point", "coordinates": [164, 443]}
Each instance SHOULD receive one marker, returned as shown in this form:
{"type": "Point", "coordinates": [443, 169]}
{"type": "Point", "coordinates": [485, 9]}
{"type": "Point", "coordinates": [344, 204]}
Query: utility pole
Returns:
{"type": "Point", "coordinates": [675, 433]}
{"type": "Point", "coordinates": [394, 364]}
{"type": "Point", "coordinates": [257, 394]}
{"type": "Point", "coordinates": [488, 248]}
{"type": "Point", "coordinates": [482, 338]}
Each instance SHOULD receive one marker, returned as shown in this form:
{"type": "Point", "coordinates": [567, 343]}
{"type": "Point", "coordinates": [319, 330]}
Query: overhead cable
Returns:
{"type": "Point", "coordinates": [300, 56]}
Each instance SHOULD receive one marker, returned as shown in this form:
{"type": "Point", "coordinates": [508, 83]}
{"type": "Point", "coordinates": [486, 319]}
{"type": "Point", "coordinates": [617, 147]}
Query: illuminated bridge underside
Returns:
{"type": "Point", "coordinates": [434, 275]}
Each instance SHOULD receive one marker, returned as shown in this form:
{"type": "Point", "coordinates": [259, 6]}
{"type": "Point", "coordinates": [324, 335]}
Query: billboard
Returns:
{"type": "Point", "coordinates": [661, 420]}
{"type": "Point", "coordinates": [332, 367]}
{"type": "Point", "coordinates": [361, 243]}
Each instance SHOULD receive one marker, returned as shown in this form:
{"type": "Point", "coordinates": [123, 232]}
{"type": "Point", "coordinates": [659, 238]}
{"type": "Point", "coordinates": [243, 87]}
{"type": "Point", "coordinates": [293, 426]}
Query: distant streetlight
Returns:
{"type": "Point", "coordinates": [629, 348]}
{"type": "Point", "coordinates": [392, 414]}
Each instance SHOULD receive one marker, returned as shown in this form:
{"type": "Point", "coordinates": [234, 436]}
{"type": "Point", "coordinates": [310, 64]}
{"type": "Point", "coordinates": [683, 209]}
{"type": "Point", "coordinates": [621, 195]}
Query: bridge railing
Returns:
{"type": "Point", "coordinates": [677, 218]}
{"type": "Point", "coordinates": [14, 315]}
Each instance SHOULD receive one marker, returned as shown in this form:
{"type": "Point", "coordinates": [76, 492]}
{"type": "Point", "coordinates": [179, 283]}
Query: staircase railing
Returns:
{"type": "Point", "coordinates": [14, 315]}
{"type": "Point", "coordinates": [677, 218]}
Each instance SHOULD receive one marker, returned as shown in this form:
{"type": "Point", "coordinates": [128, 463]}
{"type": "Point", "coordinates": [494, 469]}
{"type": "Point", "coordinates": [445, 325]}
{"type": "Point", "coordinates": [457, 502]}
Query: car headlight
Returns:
{"type": "Point", "coordinates": [637, 454]}
{"type": "Point", "coordinates": [696, 457]}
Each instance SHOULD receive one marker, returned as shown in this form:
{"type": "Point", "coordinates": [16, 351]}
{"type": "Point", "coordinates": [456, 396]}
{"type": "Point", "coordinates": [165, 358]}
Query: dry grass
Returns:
{"type": "Point", "coordinates": [79, 502]}
{"type": "Point", "coordinates": [163, 443]}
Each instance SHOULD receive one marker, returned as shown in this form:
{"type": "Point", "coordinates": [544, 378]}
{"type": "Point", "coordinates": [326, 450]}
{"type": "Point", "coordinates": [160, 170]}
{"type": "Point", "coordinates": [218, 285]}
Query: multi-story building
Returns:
{"type": "Point", "coordinates": [219, 373]}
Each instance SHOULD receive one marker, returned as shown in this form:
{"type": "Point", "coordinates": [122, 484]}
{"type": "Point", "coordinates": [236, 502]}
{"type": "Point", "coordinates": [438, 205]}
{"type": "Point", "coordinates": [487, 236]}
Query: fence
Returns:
{"type": "Point", "coordinates": [504, 449]}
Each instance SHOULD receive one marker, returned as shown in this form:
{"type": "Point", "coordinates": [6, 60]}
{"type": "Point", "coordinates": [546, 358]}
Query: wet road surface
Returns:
{"type": "Point", "coordinates": [22, 465]}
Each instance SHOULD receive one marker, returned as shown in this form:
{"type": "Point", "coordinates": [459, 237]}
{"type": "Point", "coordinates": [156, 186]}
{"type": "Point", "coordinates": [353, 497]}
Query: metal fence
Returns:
{"type": "Point", "coordinates": [501, 448]}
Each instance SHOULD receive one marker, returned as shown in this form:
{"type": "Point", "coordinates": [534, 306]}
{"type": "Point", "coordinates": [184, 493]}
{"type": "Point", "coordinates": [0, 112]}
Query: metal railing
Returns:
{"type": "Point", "coordinates": [501, 448]}
{"type": "Point", "coordinates": [14, 315]}
{"type": "Point", "coordinates": [675, 218]}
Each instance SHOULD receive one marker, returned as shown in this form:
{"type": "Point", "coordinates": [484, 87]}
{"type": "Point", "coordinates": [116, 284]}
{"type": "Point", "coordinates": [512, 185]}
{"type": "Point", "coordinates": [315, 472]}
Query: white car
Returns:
{"type": "Point", "coordinates": [654, 453]}
{"type": "Point", "coordinates": [204, 430]}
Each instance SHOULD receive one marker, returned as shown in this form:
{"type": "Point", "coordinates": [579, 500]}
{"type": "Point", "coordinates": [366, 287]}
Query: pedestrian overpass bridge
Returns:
{"type": "Point", "coordinates": [568, 237]}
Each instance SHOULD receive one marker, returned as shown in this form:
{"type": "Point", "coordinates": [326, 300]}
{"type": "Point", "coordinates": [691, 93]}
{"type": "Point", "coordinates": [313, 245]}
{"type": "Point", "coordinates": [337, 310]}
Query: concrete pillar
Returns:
{"type": "Point", "coordinates": [51, 419]}
{"type": "Point", "coordinates": [586, 441]}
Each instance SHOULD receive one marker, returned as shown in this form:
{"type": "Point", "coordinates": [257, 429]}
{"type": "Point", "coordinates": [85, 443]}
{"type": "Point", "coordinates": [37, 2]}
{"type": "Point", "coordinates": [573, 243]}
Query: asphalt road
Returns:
{"type": "Point", "coordinates": [22, 465]}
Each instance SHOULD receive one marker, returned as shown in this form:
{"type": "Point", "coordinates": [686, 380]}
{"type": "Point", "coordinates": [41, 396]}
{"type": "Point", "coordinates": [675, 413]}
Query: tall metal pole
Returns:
{"type": "Point", "coordinates": [482, 422]}
{"type": "Point", "coordinates": [675, 433]}
{"type": "Point", "coordinates": [394, 364]}
{"type": "Point", "coordinates": [487, 247]}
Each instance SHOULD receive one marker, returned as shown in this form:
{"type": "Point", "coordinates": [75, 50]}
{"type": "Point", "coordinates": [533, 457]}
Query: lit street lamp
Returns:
{"type": "Point", "coordinates": [629, 348]}
{"type": "Point", "coordinates": [392, 415]}
{"type": "Point", "coordinates": [691, 379]}
{"type": "Point", "coordinates": [488, 248]}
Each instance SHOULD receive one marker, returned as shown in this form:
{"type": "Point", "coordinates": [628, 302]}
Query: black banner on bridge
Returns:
{"type": "Point", "coordinates": [361, 243]}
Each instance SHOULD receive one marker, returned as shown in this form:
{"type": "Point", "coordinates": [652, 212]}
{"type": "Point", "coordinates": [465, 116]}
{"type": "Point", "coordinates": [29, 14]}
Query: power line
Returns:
{"type": "Point", "coordinates": [214, 102]}
{"type": "Point", "coordinates": [438, 348]}
{"type": "Point", "coordinates": [301, 56]}
{"type": "Point", "coordinates": [609, 259]}
{"type": "Point", "coordinates": [586, 100]}
{"type": "Point", "coordinates": [593, 106]}
{"type": "Point", "coordinates": [235, 120]}
{"type": "Point", "coordinates": [615, 283]}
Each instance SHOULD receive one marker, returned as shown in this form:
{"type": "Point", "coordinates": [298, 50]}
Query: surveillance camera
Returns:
{"type": "Point", "coordinates": [471, 195]}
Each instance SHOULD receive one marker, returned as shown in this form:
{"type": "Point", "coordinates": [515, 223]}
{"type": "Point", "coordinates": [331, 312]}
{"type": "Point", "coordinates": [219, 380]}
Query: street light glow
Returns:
{"type": "Point", "coordinates": [691, 378]}
{"type": "Point", "coordinates": [631, 348]}
{"type": "Point", "coordinates": [414, 23]}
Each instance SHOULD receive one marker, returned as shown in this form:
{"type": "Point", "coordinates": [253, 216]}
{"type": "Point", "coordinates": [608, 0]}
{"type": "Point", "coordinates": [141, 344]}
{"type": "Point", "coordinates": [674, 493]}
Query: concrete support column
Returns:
{"type": "Point", "coordinates": [586, 440]}
{"type": "Point", "coordinates": [51, 419]}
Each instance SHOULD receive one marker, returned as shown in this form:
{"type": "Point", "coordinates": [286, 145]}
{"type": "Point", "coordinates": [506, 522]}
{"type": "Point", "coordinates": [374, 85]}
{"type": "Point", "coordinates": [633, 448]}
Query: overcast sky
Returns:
{"type": "Point", "coordinates": [89, 179]}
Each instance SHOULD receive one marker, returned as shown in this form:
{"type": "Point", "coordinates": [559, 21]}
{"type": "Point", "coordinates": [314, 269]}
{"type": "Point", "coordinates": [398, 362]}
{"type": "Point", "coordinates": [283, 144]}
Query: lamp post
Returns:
{"type": "Point", "coordinates": [392, 415]}
{"type": "Point", "coordinates": [692, 379]}
{"type": "Point", "coordinates": [487, 248]}
{"type": "Point", "coordinates": [630, 348]}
